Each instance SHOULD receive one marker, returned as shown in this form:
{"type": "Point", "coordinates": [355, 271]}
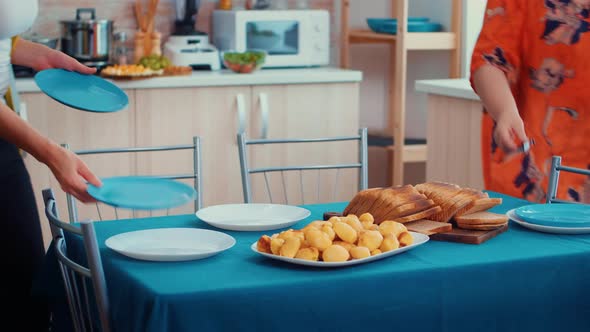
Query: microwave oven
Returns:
{"type": "Point", "coordinates": [291, 38]}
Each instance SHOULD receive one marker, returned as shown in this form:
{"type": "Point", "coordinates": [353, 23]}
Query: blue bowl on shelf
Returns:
{"type": "Point", "coordinates": [415, 24]}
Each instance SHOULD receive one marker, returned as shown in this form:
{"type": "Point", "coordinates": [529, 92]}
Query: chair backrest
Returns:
{"type": "Point", "coordinates": [556, 168]}
{"type": "Point", "coordinates": [85, 286]}
{"type": "Point", "coordinates": [195, 175]}
{"type": "Point", "coordinates": [246, 171]}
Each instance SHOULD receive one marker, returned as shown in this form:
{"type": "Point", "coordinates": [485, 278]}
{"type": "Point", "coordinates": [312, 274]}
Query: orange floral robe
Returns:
{"type": "Point", "coordinates": [543, 47]}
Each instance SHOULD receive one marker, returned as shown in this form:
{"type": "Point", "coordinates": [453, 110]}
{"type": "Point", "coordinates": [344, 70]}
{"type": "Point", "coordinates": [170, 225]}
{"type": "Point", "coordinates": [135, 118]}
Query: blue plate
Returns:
{"type": "Point", "coordinates": [142, 193]}
{"type": "Point", "coordinates": [377, 24]}
{"type": "Point", "coordinates": [391, 27]}
{"type": "Point", "coordinates": [84, 92]}
{"type": "Point", "coordinates": [555, 215]}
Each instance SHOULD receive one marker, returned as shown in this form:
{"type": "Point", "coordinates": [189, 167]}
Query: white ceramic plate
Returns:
{"type": "Point", "coordinates": [419, 239]}
{"type": "Point", "coordinates": [170, 244]}
{"type": "Point", "coordinates": [547, 229]}
{"type": "Point", "coordinates": [252, 217]}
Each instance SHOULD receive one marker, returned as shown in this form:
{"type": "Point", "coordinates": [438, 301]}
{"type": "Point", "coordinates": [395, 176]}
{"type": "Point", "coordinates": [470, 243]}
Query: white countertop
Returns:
{"type": "Point", "coordinates": [228, 78]}
{"type": "Point", "coordinates": [458, 88]}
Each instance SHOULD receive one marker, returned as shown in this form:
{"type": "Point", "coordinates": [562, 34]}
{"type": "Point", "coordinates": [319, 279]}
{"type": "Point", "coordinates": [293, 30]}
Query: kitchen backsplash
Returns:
{"type": "Point", "coordinates": [121, 12]}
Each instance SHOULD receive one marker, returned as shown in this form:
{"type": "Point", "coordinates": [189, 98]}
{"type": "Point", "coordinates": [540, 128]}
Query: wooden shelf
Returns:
{"type": "Point", "coordinates": [415, 40]}
{"type": "Point", "coordinates": [401, 44]}
{"type": "Point", "coordinates": [413, 153]}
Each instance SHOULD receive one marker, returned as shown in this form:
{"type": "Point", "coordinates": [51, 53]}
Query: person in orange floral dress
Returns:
{"type": "Point", "coordinates": [531, 69]}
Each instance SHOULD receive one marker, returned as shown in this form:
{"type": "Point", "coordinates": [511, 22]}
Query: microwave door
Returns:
{"type": "Point", "coordinates": [282, 39]}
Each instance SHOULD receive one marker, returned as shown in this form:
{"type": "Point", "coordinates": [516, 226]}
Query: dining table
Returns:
{"type": "Point", "coordinates": [520, 280]}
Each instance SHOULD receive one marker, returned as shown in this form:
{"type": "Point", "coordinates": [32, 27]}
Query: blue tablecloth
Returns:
{"type": "Point", "coordinates": [518, 281]}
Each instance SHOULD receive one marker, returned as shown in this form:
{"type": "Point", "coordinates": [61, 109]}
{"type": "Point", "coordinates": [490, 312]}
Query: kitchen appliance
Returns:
{"type": "Point", "coordinates": [291, 38]}
{"type": "Point", "coordinates": [87, 39]}
{"type": "Point", "coordinates": [187, 46]}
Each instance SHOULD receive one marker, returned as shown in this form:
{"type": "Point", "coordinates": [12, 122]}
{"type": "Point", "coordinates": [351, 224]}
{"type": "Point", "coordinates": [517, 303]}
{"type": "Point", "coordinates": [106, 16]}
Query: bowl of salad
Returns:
{"type": "Point", "coordinates": [243, 62]}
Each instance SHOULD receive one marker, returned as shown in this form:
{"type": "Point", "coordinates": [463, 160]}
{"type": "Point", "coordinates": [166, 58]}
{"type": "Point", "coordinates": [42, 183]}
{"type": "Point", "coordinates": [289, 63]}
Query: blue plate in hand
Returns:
{"type": "Point", "coordinates": [555, 215]}
{"type": "Point", "coordinates": [142, 193]}
{"type": "Point", "coordinates": [84, 92]}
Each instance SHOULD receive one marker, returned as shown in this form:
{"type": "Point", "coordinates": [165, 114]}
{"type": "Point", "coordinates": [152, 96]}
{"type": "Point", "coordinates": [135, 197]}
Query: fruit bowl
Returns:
{"type": "Point", "coordinates": [243, 62]}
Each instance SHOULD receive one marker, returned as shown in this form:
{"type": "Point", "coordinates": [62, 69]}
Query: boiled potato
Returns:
{"type": "Point", "coordinates": [354, 223]}
{"type": "Point", "coordinates": [392, 227]}
{"type": "Point", "coordinates": [335, 253]}
{"type": "Point", "coordinates": [263, 244]}
{"type": "Point", "coordinates": [291, 233]}
{"type": "Point", "coordinates": [370, 239]}
{"type": "Point", "coordinates": [330, 231]}
{"type": "Point", "coordinates": [345, 232]}
{"type": "Point", "coordinates": [334, 220]}
{"type": "Point", "coordinates": [360, 252]}
{"type": "Point", "coordinates": [389, 243]}
{"type": "Point", "coordinates": [290, 247]}
{"type": "Point", "coordinates": [275, 245]}
{"type": "Point", "coordinates": [318, 239]}
{"type": "Point", "coordinates": [310, 254]}
{"type": "Point", "coordinates": [366, 217]}
{"type": "Point", "coordinates": [346, 245]}
{"type": "Point", "coordinates": [405, 239]}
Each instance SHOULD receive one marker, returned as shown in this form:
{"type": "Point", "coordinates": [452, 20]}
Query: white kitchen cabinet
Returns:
{"type": "Point", "coordinates": [305, 111]}
{"type": "Point", "coordinates": [174, 116]}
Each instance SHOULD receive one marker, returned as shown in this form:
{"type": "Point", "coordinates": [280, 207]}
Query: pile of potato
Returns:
{"type": "Point", "coordinates": [338, 240]}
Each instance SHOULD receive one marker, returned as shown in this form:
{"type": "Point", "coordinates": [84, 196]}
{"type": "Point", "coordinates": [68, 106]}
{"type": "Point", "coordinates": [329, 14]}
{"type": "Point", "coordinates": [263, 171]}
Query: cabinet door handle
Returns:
{"type": "Point", "coordinates": [241, 106]}
{"type": "Point", "coordinates": [264, 112]}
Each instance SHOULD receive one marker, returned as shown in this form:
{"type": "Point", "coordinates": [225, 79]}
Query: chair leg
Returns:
{"type": "Point", "coordinates": [553, 179]}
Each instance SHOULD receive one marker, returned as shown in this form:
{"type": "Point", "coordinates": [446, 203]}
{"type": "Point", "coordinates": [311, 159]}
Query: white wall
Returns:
{"type": "Point", "coordinates": [472, 21]}
{"type": "Point", "coordinates": [373, 60]}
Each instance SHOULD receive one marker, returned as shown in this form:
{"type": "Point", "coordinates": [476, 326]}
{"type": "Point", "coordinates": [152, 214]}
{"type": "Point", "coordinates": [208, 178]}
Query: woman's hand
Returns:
{"type": "Point", "coordinates": [509, 128]}
{"type": "Point", "coordinates": [40, 57]}
{"type": "Point", "coordinates": [71, 173]}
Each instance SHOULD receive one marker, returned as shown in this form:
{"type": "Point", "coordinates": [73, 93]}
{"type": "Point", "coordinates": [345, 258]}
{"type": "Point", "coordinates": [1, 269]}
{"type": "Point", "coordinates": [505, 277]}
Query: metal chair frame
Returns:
{"type": "Point", "coordinates": [196, 175]}
{"type": "Point", "coordinates": [75, 276]}
{"type": "Point", "coordinates": [243, 143]}
{"type": "Point", "coordinates": [556, 168]}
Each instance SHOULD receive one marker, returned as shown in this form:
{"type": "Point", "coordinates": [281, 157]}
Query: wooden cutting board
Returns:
{"type": "Point", "coordinates": [455, 235]}
{"type": "Point", "coordinates": [468, 236]}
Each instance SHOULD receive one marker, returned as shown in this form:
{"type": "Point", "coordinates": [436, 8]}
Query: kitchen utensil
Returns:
{"type": "Point", "coordinates": [419, 239]}
{"type": "Point", "coordinates": [87, 39]}
{"type": "Point", "coordinates": [547, 229]}
{"type": "Point", "coordinates": [555, 215]}
{"type": "Point", "coordinates": [526, 146]}
{"type": "Point", "coordinates": [188, 46]}
{"type": "Point", "coordinates": [84, 92]}
{"type": "Point", "coordinates": [252, 217]}
{"type": "Point", "coordinates": [170, 244]}
{"type": "Point", "coordinates": [142, 193]}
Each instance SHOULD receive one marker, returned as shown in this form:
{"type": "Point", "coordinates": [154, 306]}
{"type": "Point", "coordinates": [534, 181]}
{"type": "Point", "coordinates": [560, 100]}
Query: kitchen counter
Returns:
{"type": "Point", "coordinates": [457, 88]}
{"type": "Point", "coordinates": [228, 78]}
{"type": "Point", "coordinates": [454, 132]}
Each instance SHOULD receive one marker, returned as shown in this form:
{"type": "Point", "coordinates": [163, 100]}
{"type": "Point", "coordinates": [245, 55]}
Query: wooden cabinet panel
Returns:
{"type": "Point", "coordinates": [305, 111]}
{"type": "Point", "coordinates": [174, 116]}
{"type": "Point", "coordinates": [454, 141]}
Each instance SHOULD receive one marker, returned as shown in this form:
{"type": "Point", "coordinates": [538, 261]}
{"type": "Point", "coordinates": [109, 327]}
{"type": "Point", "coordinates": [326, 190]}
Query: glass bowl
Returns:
{"type": "Point", "coordinates": [243, 62]}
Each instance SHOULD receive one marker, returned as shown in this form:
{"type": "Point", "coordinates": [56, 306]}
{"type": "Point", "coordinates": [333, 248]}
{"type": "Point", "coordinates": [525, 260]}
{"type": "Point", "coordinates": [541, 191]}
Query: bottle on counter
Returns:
{"type": "Point", "coordinates": [156, 44]}
{"type": "Point", "coordinates": [120, 54]}
{"type": "Point", "coordinates": [139, 46]}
